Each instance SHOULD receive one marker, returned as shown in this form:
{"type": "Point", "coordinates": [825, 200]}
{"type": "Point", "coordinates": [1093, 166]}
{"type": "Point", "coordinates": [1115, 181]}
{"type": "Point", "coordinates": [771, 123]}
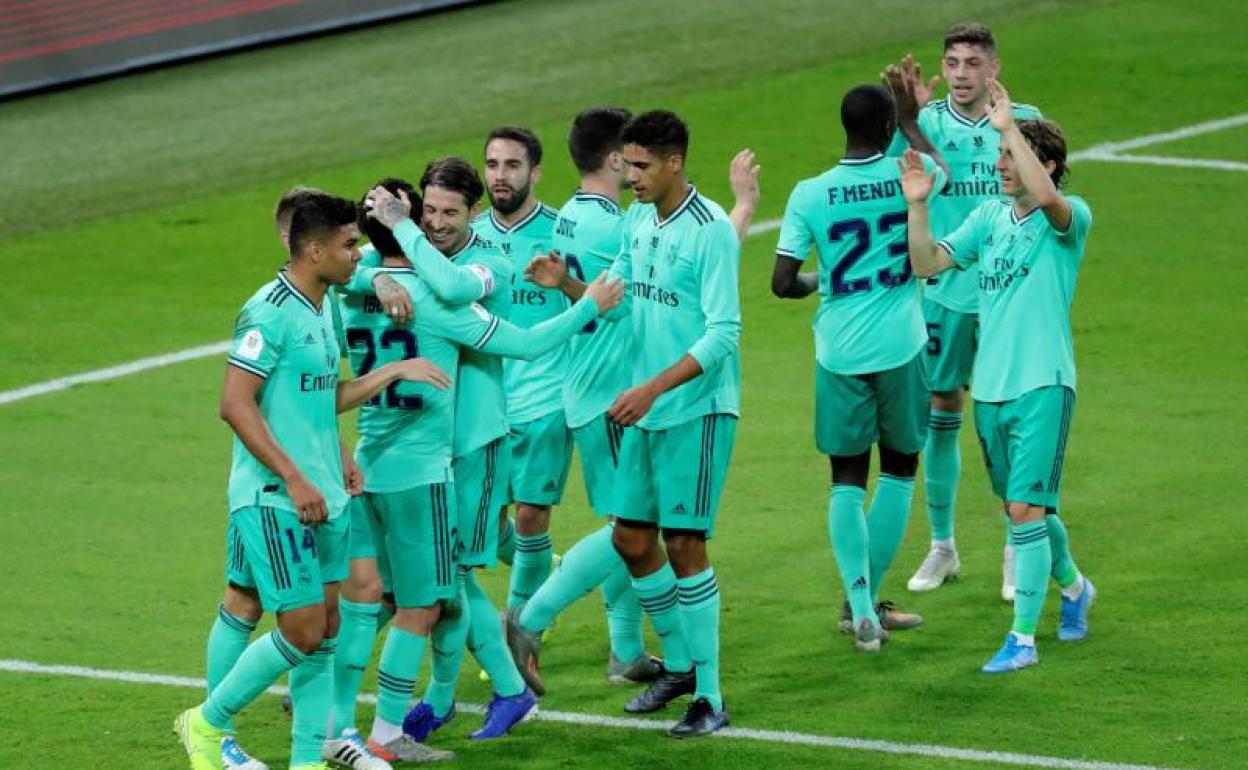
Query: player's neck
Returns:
{"type": "Point", "coordinates": [672, 199]}
{"type": "Point", "coordinates": [973, 111]}
{"type": "Point", "coordinates": [856, 150]}
{"type": "Point", "coordinates": [302, 276]}
{"type": "Point", "coordinates": [525, 209]}
{"type": "Point", "coordinates": [1024, 204]}
{"type": "Point", "coordinates": [599, 184]}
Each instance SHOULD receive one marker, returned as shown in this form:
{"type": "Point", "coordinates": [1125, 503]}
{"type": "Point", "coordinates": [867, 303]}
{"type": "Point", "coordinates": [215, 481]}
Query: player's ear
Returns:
{"type": "Point", "coordinates": [994, 68]}
{"type": "Point", "coordinates": [535, 175]}
{"type": "Point", "coordinates": [615, 161]}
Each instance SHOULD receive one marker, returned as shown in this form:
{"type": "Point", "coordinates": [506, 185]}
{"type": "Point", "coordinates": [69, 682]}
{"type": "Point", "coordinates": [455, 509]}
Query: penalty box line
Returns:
{"type": "Point", "coordinates": [1106, 151]}
{"type": "Point", "coordinates": [623, 723]}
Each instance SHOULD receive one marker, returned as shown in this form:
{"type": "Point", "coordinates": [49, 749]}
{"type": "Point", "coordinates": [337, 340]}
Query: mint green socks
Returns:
{"type": "Point", "coordinates": [529, 568]}
{"type": "Point", "coordinates": [450, 642]}
{"type": "Point", "coordinates": [623, 615]}
{"type": "Point", "coordinates": [356, 636]}
{"type": "Point", "coordinates": [1032, 562]}
{"type": "Point", "coordinates": [486, 643]}
{"type": "Point", "coordinates": [259, 666]}
{"type": "Point", "coordinates": [658, 597]}
{"type": "Point", "coordinates": [401, 657]}
{"type": "Point", "coordinates": [1063, 569]}
{"type": "Point", "coordinates": [698, 597]}
{"type": "Point", "coordinates": [312, 695]}
{"type": "Point", "coordinates": [847, 529]}
{"type": "Point", "coordinates": [886, 525]}
{"type": "Point", "coordinates": [229, 637]}
{"type": "Point", "coordinates": [942, 466]}
{"type": "Point", "coordinates": [581, 570]}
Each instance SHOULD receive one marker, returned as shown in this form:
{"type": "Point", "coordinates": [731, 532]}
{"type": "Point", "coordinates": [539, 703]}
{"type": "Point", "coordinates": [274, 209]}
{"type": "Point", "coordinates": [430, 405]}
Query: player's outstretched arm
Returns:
{"type": "Point", "coordinates": [787, 282]}
{"type": "Point", "coordinates": [240, 411]}
{"type": "Point", "coordinates": [550, 272]}
{"type": "Point", "coordinates": [511, 341]}
{"type": "Point", "coordinates": [352, 393]}
{"type": "Point", "coordinates": [1032, 174]}
{"type": "Point", "coordinates": [389, 292]}
{"type": "Point", "coordinates": [743, 178]}
{"type": "Point", "coordinates": [926, 257]}
{"type": "Point", "coordinates": [905, 84]}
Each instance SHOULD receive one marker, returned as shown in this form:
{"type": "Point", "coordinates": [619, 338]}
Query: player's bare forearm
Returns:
{"type": "Point", "coordinates": [353, 392]}
{"type": "Point", "coordinates": [919, 141]}
{"type": "Point", "coordinates": [1035, 179]}
{"type": "Point", "coordinates": [741, 216]}
{"type": "Point", "coordinates": [926, 258]}
{"type": "Point", "coordinates": [675, 375]}
{"type": "Point", "coordinates": [572, 288]}
{"type": "Point", "coordinates": [634, 403]}
{"type": "Point", "coordinates": [240, 411]}
{"type": "Point", "coordinates": [788, 283]}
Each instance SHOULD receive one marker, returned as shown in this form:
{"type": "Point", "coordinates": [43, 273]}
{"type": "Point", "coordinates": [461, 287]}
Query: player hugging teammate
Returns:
{"type": "Point", "coordinates": [485, 345]}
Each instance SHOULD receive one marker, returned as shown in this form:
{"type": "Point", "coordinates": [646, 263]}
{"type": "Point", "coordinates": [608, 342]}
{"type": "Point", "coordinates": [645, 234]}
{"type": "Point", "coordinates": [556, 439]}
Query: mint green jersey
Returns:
{"type": "Point", "coordinates": [587, 236]}
{"type": "Point", "coordinates": [285, 339]}
{"type": "Point", "coordinates": [405, 430]}
{"type": "Point", "coordinates": [970, 147]}
{"type": "Point", "coordinates": [1026, 273]}
{"type": "Point", "coordinates": [683, 300]}
{"type": "Point", "coordinates": [534, 388]}
{"type": "Point", "coordinates": [870, 316]}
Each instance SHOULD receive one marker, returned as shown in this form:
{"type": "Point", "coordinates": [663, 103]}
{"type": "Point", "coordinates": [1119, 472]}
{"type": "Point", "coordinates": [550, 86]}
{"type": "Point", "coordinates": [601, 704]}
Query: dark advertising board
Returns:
{"type": "Point", "coordinates": [46, 43]}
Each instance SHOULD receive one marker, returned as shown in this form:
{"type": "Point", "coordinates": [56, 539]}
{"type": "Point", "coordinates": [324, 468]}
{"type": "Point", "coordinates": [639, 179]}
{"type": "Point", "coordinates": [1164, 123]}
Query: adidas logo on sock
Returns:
{"type": "Point", "coordinates": [859, 584]}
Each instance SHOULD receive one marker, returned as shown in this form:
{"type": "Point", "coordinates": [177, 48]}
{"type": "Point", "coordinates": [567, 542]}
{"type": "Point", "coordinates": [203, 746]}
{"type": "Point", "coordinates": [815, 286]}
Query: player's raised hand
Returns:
{"type": "Point", "coordinates": [383, 206]}
{"type": "Point", "coordinates": [916, 182]}
{"type": "Point", "coordinates": [743, 178]}
{"type": "Point", "coordinates": [308, 501]}
{"type": "Point", "coordinates": [394, 298]}
{"type": "Point", "coordinates": [1000, 111]}
{"type": "Point", "coordinates": [902, 89]}
{"type": "Point", "coordinates": [422, 370]}
{"type": "Point", "coordinates": [547, 270]}
{"type": "Point", "coordinates": [913, 71]}
{"type": "Point", "coordinates": [606, 294]}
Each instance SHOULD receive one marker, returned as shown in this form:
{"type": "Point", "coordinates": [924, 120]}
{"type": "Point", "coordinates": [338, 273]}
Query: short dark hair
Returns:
{"type": "Point", "coordinates": [971, 33]}
{"type": "Point", "coordinates": [595, 133]}
{"type": "Point", "coordinates": [454, 173]}
{"type": "Point", "coordinates": [868, 113]}
{"type": "Point", "coordinates": [1049, 143]}
{"type": "Point", "coordinates": [318, 215]}
{"type": "Point", "coordinates": [532, 145]}
{"type": "Point", "coordinates": [289, 201]}
{"type": "Point", "coordinates": [378, 234]}
{"type": "Point", "coordinates": [659, 131]}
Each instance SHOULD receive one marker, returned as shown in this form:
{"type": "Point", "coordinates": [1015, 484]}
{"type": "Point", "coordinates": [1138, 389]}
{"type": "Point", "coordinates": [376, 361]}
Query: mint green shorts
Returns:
{"type": "Point", "coordinates": [673, 478]}
{"type": "Point", "coordinates": [598, 443]}
{"type": "Point", "coordinates": [288, 564]}
{"type": "Point", "coordinates": [855, 411]}
{"type": "Point", "coordinates": [541, 452]}
{"type": "Point", "coordinates": [1024, 444]}
{"type": "Point", "coordinates": [414, 538]}
{"type": "Point", "coordinates": [481, 492]}
{"type": "Point", "coordinates": [952, 339]}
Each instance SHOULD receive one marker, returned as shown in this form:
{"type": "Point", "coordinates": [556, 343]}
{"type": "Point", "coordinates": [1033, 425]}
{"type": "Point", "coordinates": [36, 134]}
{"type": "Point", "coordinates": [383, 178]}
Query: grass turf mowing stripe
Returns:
{"type": "Point", "coordinates": [625, 723]}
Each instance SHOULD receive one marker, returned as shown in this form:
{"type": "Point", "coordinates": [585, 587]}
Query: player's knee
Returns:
{"type": "Point", "coordinates": [304, 628]}
{"type": "Point", "coordinates": [686, 549]}
{"type": "Point", "coordinates": [851, 470]}
{"type": "Point", "coordinates": [1022, 513]}
{"type": "Point", "coordinates": [948, 401]}
{"type": "Point", "coordinates": [363, 589]}
{"type": "Point", "coordinates": [899, 464]}
{"type": "Point", "coordinates": [532, 519]}
{"type": "Point", "coordinates": [633, 542]}
{"type": "Point", "coordinates": [243, 603]}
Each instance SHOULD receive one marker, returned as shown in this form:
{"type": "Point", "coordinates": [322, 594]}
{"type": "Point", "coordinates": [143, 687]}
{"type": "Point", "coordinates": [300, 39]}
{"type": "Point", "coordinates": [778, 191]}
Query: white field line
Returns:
{"type": "Point", "coordinates": [622, 723]}
{"type": "Point", "coordinates": [1107, 151]}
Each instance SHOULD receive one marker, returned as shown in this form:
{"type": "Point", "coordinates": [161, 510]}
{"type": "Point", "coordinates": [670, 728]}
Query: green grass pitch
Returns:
{"type": "Point", "coordinates": [136, 220]}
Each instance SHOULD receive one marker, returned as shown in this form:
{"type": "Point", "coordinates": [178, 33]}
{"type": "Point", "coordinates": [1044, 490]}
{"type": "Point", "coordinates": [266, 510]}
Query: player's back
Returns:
{"type": "Point", "coordinates": [587, 236]}
{"type": "Point", "coordinates": [869, 317]}
{"type": "Point", "coordinates": [405, 430]}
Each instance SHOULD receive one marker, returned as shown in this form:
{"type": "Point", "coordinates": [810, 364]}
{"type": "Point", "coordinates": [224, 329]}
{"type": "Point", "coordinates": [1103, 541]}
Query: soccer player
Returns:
{"type": "Point", "coordinates": [522, 226]}
{"type": "Point", "coordinates": [286, 534]}
{"type": "Point", "coordinates": [680, 257]}
{"type": "Point", "coordinates": [958, 127]}
{"type": "Point", "coordinates": [870, 373]}
{"type": "Point", "coordinates": [240, 608]}
{"type": "Point", "coordinates": [1024, 252]}
{"type": "Point", "coordinates": [587, 239]}
{"type": "Point", "coordinates": [452, 189]}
